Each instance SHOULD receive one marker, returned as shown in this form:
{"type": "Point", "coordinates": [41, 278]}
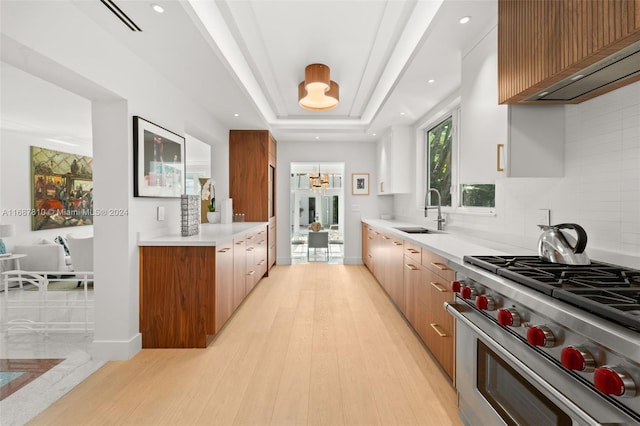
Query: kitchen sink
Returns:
{"type": "Point", "coordinates": [416, 230]}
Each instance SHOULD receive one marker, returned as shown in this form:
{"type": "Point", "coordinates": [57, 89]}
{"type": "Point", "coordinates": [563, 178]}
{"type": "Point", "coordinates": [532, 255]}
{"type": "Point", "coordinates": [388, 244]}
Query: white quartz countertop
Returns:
{"type": "Point", "coordinates": [451, 246]}
{"type": "Point", "coordinates": [211, 234]}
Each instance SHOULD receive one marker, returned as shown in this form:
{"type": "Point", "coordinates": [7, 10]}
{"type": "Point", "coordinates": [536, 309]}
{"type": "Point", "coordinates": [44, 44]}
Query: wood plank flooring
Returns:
{"type": "Point", "coordinates": [313, 344]}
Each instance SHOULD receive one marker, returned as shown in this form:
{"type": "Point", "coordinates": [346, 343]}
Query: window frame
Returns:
{"type": "Point", "coordinates": [452, 111]}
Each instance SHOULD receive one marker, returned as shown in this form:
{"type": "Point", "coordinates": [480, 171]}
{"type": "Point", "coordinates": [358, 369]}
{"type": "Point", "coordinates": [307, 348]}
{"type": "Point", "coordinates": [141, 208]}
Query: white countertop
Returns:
{"type": "Point", "coordinates": [455, 244]}
{"type": "Point", "coordinates": [451, 246]}
{"type": "Point", "coordinates": [211, 234]}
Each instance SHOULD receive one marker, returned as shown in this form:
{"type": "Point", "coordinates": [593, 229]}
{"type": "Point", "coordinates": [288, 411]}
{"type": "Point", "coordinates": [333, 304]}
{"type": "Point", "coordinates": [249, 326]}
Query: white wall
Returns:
{"type": "Point", "coordinates": [358, 158]}
{"type": "Point", "coordinates": [600, 189]}
{"type": "Point", "coordinates": [45, 42]}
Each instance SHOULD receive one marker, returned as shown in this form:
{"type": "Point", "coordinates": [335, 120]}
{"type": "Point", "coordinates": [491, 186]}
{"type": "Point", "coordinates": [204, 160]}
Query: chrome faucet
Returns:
{"type": "Point", "coordinates": [440, 219]}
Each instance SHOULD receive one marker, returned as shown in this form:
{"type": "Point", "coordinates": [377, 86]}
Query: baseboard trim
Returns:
{"type": "Point", "coordinates": [116, 350]}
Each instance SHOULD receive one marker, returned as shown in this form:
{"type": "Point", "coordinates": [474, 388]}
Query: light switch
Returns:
{"type": "Point", "coordinates": [160, 213]}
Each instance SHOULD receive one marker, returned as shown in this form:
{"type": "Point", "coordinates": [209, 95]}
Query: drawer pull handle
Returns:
{"type": "Point", "coordinates": [249, 248]}
{"type": "Point", "coordinates": [440, 266]}
{"type": "Point", "coordinates": [397, 243]}
{"type": "Point", "coordinates": [224, 250]}
{"type": "Point", "coordinates": [439, 287]}
{"type": "Point", "coordinates": [240, 242]}
{"type": "Point", "coordinates": [386, 238]}
{"type": "Point", "coordinates": [413, 251]}
{"type": "Point", "coordinates": [412, 267]}
{"type": "Point", "coordinates": [261, 262]}
{"type": "Point", "coordinates": [438, 329]}
{"type": "Point", "coordinates": [251, 273]}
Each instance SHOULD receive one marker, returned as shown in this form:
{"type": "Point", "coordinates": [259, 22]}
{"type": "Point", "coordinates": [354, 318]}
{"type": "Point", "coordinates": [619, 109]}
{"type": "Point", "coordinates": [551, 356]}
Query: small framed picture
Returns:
{"type": "Point", "coordinates": [158, 161]}
{"type": "Point", "coordinates": [360, 184]}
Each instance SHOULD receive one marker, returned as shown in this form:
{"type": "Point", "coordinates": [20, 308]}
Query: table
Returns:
{"type": "Point", "coordinates": [15, 257]}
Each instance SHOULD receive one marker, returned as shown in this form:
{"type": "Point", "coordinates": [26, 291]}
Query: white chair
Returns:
{"type": "Point", "coordinates": [81, 249]}
{"type": "Point", "coordinates": [318, 240]}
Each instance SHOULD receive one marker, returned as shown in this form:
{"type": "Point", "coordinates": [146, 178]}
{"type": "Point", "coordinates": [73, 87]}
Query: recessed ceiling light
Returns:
{"type": "Point", "coordinates": [431, 81]}
{"type": "Point", "coordinates": [465, 19]}
{"type": "Point", "coordinates": [236, 115]}
{"type": "Point", "coordinates": [317, 137]}
{"type": "Point", "coordinates": [373, 134]}
{"type": "Point", "coordinates": [157, 8]}
{"type": "Point", "coordinates": [402, 113]}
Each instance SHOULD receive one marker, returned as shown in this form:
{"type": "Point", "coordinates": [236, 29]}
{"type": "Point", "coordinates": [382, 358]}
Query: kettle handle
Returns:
{"type": "Point", "coordinates": [581, 244]}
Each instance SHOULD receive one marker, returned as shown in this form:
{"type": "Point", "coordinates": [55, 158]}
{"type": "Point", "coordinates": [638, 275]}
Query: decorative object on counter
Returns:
{"type": "Point", "coordinates": [226, 211]}
{"type": "Point", "coordinates": [209, 195]}
{"type": "Point", "coordinates": [190, 211]}
{"type": "Point", "coordinates": [360, 184]}
{"type": "Point", "coordinates": [158, 161]}
{"type": "Point", "coordinates": [315, 226]}
{"type": "Point", "coordinates": [238, 217]}
{"type": "Point", "coordinates": [318, 92]}
{"type": "Point", "coordinates": [557, 246]}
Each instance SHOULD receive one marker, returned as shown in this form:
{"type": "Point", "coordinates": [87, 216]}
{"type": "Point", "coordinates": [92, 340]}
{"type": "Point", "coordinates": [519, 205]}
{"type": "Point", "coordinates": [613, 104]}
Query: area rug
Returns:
{"type": "Point", "coordinates": [59, 286]}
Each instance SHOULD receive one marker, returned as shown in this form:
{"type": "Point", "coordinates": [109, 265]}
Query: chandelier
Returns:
{"type": "Point", "coordinates": [318, 182]}
{"type": "Point", "coordinates": [318, 92]}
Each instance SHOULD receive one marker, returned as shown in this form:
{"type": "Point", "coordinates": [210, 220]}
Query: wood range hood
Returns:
{"type": "Point", "coordinates": [566, 51]}
{"type": "Point", "coordinates": [618, 69]}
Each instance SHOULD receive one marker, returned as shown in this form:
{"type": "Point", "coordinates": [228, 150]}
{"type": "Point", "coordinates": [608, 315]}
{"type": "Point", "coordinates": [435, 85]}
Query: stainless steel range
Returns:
{"type": "Point", "coordinates": [545, 343]}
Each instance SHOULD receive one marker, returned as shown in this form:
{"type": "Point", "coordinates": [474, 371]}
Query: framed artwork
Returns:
{"type": "Point", "coordinates": [158, 161]}
{"type": "Point", "coordinates": [61, 189]}
{"type": "Point", "coordinates": [360, 184]}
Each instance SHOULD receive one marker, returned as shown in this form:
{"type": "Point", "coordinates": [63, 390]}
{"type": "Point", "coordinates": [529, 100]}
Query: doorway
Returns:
{"type": "Point", "coordinates": [317, 205]}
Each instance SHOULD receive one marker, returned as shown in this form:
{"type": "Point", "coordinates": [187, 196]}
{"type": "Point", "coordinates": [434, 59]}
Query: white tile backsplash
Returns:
{"type": "Point", "coordinates": [601, 186]}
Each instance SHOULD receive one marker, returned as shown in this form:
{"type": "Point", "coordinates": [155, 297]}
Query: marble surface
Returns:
{"type": "Point", "coordinates": [211, 234]}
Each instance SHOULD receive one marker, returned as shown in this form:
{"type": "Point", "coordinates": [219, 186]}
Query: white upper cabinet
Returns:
{"type": "Point", "coordinates": [499, 140]}
{"type": "Point", "coordinates": [395, 165]}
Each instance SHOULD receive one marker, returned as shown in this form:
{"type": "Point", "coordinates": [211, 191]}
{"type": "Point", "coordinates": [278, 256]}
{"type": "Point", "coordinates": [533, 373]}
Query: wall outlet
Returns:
{"type": "Point", "coordinates": [543, 217]}
{"type": "Point", "coordinates": [160, 213]}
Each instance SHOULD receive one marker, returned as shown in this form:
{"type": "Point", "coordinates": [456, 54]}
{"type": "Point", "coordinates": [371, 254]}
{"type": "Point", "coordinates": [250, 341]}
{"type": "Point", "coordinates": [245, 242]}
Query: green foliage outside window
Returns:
{"type": "Point", "coordinates": [478, 195]}
{"type": "Point", "coordinates": [439, 145]}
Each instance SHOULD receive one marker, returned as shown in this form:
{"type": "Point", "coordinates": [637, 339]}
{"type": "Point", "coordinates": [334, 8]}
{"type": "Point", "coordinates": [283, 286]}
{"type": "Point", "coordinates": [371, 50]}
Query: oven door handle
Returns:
{"type": "Point", "coordinates": [457, 311]}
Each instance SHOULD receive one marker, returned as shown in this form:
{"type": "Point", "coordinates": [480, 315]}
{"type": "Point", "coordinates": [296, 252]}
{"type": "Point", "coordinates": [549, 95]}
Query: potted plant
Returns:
{"type": "Point", "coordinates": [209, 193]}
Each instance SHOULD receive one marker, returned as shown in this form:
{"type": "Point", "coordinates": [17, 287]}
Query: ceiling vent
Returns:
{"type": "Point", "coordinates": [622, 65]}
{"type": "Point", "coordinates": [121, 15]}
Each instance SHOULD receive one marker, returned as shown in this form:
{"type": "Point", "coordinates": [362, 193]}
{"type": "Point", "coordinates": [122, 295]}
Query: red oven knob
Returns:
{"type": "Point", "coordinates": [455, 286]}
{"type": "Point", "coordinates": [539, 335]}
{"type": "Point", "coordinates": [467, 292]}
{"type": "Point", "coordinates": [613, 380]}
{"type": "Point", "coordinates": [577, 358]}
{"type": "Point", "coordinates": [508, 317]}
{"type": "Point", "coordinates": [485, 303]}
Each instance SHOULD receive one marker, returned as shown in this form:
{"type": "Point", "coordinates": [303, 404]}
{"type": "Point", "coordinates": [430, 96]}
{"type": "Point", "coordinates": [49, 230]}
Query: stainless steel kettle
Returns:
{"type": "Point", "coordinates": [558, 246]}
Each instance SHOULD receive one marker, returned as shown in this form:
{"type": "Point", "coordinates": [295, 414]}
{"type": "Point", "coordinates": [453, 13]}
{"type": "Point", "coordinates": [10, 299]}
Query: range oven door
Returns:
{"type": "Point", "coordinates": [502, 381]}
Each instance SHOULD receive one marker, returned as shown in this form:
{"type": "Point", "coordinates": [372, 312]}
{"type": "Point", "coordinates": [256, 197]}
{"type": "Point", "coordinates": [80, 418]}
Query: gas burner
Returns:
{"type": "Point", "coordinates": [610, 291]}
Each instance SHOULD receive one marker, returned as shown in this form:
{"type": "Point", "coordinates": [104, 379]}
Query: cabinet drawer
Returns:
{"type": "Point", "coordinates": [437, 264]}
{"type": "Point", "coordinates": [413, 251]}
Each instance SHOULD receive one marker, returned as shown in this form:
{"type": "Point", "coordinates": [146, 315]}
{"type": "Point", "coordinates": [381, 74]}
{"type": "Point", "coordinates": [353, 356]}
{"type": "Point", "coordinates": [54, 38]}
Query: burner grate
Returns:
{"type": "Point", "coordinates": [607, 290]}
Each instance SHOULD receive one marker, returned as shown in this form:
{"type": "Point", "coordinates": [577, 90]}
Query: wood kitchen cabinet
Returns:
{"type": "Point", "coordinates": [252, 180]}
{"type": "Point", "coordinates": [177, 296]}
{"type": "Point", "coordinates": [239, 271]}
{"type": "Point", "coordinates": [544, 41]}
{"type": "Point", "coordinates": [224, 284]}
{"type": "Point", "coordinates": [418, 282]}
{"type": "Point", "coordinates": [504, 140]}
{"type": "Point", "coordinates": [439, 326]}
{"type": "Point", "coordinates": [393, 155]}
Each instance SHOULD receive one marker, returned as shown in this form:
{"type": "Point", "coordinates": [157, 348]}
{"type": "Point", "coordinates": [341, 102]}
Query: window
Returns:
{"type": "Point", "coordinates": [439, 146]}
{"type": "Point", "coordinates": [442, 168]}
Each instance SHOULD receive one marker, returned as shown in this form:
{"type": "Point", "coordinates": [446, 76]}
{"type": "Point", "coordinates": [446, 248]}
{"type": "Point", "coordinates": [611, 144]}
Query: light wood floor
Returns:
{"type": "Point", "coordinates": [314, 344]}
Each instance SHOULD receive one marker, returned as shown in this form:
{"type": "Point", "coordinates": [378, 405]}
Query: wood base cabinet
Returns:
{"type": "Point", "coordinates": [177, 296]}
{"type": "Point", "coordinates": [224, 284]}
